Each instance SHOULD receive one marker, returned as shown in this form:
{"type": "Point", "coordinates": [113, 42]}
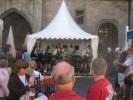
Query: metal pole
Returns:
{"type": "Point", "coordinates": [129, 13]}
{"type": "Point", "coordinates": [1, 31]}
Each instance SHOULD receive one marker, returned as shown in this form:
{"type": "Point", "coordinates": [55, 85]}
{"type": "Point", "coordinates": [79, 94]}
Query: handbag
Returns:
{"type": "Point", "coordinates": [120, 69]}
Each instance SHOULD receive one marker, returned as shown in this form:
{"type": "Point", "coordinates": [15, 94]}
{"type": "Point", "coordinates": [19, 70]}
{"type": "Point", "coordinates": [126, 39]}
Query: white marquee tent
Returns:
{"type": "Point", "coordinates": [63, 27]}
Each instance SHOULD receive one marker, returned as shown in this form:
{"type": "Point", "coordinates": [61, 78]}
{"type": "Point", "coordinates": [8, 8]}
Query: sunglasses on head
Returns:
{"type": "Point", "coordinates": [24, 67]}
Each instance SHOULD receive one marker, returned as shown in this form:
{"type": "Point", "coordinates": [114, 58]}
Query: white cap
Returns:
{"type": "Point", "coordinates": [117, 49]}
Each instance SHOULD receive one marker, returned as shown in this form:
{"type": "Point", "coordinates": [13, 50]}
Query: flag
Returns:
{"type": "Point", "coordinates": [10, 40]}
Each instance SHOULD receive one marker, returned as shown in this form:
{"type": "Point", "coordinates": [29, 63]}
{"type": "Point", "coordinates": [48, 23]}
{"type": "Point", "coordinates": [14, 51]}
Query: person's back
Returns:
{"type": "Point", "coordinates": [123, 56]}
{"type": "Point", "coordinates": [63, 78]}
{"type": "Point", "coordinates": [102, 88]}
{"type": "Point", "coordinates": [69, 95]}
{"type": "Point", "coordinates": [18, 54]}
{"type": "Point", "coordinates": [9, 56]}
{"type": "Point", "coordinates": [4, 78]}
{"type": "Point", "coordinates": [26, 56]}
{"type": "Point", "coordinates": [2, 55]}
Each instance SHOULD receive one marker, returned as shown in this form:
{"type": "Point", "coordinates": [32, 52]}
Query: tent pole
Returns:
{"type": "Point", "coordinates": [1, 30]}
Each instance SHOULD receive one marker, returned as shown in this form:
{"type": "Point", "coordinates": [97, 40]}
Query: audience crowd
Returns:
{"type": "Point", "coordinates": [18, 75]}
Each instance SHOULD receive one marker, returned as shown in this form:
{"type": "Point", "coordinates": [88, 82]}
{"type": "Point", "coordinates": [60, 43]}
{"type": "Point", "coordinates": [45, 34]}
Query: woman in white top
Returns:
{"type": "Point", "coordinates": [31, 70]}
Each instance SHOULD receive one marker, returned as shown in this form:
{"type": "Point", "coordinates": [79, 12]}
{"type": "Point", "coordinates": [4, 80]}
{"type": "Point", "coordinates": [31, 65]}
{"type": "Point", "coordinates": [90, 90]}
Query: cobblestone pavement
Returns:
{"type": "Point", "coordinates": [83, 83]}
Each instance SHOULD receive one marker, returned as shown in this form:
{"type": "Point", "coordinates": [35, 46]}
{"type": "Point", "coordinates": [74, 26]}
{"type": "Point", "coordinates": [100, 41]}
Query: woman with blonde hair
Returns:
{"type": "Point", "coordinates": [31, 69]}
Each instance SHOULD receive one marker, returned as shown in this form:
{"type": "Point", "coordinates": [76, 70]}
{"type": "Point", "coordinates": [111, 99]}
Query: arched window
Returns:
{"type": "Point", "coordinates": [20, 28]}
{"type": "Point", "coordinates": [108, 36]}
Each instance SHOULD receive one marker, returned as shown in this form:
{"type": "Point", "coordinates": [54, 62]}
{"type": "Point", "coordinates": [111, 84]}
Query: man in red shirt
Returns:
{"type": "Point", "coordinates": [18, 54]}
{"type": "Point", "coordinates": [102, 88]}
{"type": "Point", "coordinates": [63, 78]}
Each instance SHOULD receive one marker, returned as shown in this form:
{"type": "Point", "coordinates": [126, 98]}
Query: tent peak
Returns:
{"type": "Point", "coordinates": [63, 26]}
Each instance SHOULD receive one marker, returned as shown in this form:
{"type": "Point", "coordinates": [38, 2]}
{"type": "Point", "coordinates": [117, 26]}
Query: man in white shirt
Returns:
{"type": "Point", "coordinates": [128, 63]}
{"type": "Point", "coordinates": [129, 59]}
{"type": "Point", "coordinates": [58, 53]}
{"type": "Point", "coordinates": [86, 54]}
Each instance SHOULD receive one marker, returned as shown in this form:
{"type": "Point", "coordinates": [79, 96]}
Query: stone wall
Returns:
{"type": "Point", "coordinates": [96, 13]}
{"type": "Point", "coordinates": [39, 13]}
{"type": "Point", "coordinates": [31, 10]}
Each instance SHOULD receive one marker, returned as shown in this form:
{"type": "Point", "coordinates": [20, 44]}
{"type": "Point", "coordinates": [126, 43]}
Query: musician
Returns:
{"type": "Point", "coordinates": [75, 52]}
{"type": "Point", "coordinates": [40, 48]}
{"type": "Point", "coordinates": [40, 52]}
{"type": "Point", "coordinates": [86, 54]}
{"type": "Point", "coordinates": [58, 52]}
{"type": "Point", "coordinates": [47, 57]}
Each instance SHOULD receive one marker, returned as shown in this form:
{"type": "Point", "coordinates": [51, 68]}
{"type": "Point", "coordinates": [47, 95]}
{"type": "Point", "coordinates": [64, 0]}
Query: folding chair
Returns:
{"type": "Point", "coordinates": [37, 85]}
{"type": "Point", "coordinates": [49, 87]}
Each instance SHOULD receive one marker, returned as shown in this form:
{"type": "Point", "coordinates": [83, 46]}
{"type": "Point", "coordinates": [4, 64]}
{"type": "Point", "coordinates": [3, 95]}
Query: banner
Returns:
{"type": "Point", "coordinates": [10, 40]}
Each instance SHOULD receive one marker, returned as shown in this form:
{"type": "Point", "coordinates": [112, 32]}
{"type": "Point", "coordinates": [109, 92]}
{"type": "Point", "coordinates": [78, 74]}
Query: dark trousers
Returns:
{"type": "Point", "coordinates": [4, 98]}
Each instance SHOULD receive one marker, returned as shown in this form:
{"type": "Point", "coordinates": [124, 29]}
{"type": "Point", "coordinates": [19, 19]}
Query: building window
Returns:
{"type": "Point", "coordinates": [79, 17]}
{"type": "Point", "coordinates": [108, 36]}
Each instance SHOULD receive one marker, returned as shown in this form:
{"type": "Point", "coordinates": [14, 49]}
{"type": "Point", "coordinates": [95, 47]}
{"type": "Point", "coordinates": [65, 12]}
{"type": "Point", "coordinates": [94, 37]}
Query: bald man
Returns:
{"type": "Point", "coordinates": [63, 78]}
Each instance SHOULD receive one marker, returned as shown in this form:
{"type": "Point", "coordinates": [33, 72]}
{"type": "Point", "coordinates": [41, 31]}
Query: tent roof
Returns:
{"type": "Point", "coordinates": [62, 27]}
{"type": "Point", "coordinates": [130, 34]}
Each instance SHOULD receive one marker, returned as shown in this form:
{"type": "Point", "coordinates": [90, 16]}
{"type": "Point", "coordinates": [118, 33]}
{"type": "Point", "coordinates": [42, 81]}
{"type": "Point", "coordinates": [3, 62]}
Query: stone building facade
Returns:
{"type": "Point", "coordinates": [34, 15]}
